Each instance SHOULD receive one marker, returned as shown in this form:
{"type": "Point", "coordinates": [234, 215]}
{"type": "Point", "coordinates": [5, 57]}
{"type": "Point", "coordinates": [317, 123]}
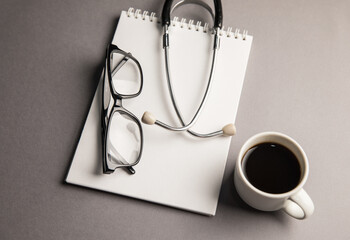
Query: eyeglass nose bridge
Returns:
{"type": "Point", "coordinates": [118, 102]}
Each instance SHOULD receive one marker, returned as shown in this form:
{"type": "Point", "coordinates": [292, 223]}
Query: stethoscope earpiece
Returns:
{"type": "Point", "coordinates": [229, 130]}
{"type": "Point", "coordinates": [148, 118]}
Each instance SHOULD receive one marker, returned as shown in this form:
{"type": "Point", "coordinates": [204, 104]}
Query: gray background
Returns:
{"type": "Point", "coordinates": [297, 82]}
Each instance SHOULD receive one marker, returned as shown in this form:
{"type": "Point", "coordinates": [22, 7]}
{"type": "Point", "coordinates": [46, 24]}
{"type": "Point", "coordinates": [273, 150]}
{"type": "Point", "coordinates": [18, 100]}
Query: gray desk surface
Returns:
{"type": "Point", "coordinates": [297, 82]}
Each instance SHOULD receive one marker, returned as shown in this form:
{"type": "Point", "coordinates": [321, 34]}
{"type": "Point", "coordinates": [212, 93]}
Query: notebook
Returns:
{"type": "Point", "coordinates": [176, 169]}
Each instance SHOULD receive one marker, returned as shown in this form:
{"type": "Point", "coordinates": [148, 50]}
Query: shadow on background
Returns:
{"type": "Point", "coordinates": [230, 198]}
{"type": "Point", "coordinates": [93, 81]}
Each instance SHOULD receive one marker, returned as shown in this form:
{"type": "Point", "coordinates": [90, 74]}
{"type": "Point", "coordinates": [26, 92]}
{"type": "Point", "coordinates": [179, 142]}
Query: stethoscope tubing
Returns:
{"type": "Point", "coordinates": [167, 9]}
{"type": "Point", "coordinates": [174, 102]}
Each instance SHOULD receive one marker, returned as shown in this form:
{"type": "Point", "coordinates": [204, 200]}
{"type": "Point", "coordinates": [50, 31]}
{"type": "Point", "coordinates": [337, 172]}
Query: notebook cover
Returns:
{"type": "Point", "coordinates": [176, 169]}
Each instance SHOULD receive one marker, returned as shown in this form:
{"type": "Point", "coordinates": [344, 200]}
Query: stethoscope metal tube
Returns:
{"type": "Point", "coordinates": [148, 118]}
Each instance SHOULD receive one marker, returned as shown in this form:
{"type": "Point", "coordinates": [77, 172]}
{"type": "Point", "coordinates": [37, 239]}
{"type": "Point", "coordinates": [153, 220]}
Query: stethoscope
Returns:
{"type": "Point", "coordinates": [148, 118]}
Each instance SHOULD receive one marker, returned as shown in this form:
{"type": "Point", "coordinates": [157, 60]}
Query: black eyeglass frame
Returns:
{"type": "Point", "coordinates": [117, 106]}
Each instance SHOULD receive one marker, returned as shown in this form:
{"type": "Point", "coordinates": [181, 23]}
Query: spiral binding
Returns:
{"type": "Point", "coordinates": [145, 16]}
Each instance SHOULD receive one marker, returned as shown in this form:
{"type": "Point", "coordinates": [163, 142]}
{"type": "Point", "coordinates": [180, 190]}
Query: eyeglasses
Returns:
{"type": "Point", "coordinates": [122, 136]}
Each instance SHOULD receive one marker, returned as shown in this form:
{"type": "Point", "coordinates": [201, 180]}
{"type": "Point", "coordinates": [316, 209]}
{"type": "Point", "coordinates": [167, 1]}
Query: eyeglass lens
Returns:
{"type": "Point", "coordinates": [126, 77]}
{"type": "Point", "coordinates": [123, 140]}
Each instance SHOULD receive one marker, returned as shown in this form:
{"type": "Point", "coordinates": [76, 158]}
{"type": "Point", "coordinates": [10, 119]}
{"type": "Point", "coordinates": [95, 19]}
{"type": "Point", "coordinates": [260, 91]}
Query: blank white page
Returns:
{"type": "Point", "coordinates": [176, 169]}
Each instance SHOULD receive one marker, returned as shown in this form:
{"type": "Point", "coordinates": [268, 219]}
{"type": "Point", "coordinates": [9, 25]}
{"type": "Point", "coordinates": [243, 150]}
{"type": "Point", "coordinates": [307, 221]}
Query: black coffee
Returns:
{"type": "Point", "coordinates": [272, 168]}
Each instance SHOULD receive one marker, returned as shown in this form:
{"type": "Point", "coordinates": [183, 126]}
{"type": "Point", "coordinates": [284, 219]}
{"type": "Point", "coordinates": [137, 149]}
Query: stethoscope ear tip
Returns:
{"type": "Point", "coordinates": [148, 118]}
{"type": "Point", "coordinates": [229, 130]}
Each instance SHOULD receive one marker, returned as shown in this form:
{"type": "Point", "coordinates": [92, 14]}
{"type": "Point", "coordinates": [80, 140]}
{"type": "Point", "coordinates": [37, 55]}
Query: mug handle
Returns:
{"type": "Point", "coordinates": [299, 206]}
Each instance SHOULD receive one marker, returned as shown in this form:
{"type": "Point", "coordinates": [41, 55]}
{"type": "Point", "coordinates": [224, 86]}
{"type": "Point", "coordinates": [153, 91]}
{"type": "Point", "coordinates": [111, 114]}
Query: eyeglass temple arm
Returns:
{"type": "Point", "coordinates": [120, 65]}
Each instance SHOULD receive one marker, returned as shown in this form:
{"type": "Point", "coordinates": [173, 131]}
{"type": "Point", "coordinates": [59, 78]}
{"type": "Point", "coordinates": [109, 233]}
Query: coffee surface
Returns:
{"type": "Point", "coordinates": [272, 168]}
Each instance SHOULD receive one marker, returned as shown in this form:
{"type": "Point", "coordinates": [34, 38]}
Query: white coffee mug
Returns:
{"type": "Point", "coordinates": [296, 202]}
